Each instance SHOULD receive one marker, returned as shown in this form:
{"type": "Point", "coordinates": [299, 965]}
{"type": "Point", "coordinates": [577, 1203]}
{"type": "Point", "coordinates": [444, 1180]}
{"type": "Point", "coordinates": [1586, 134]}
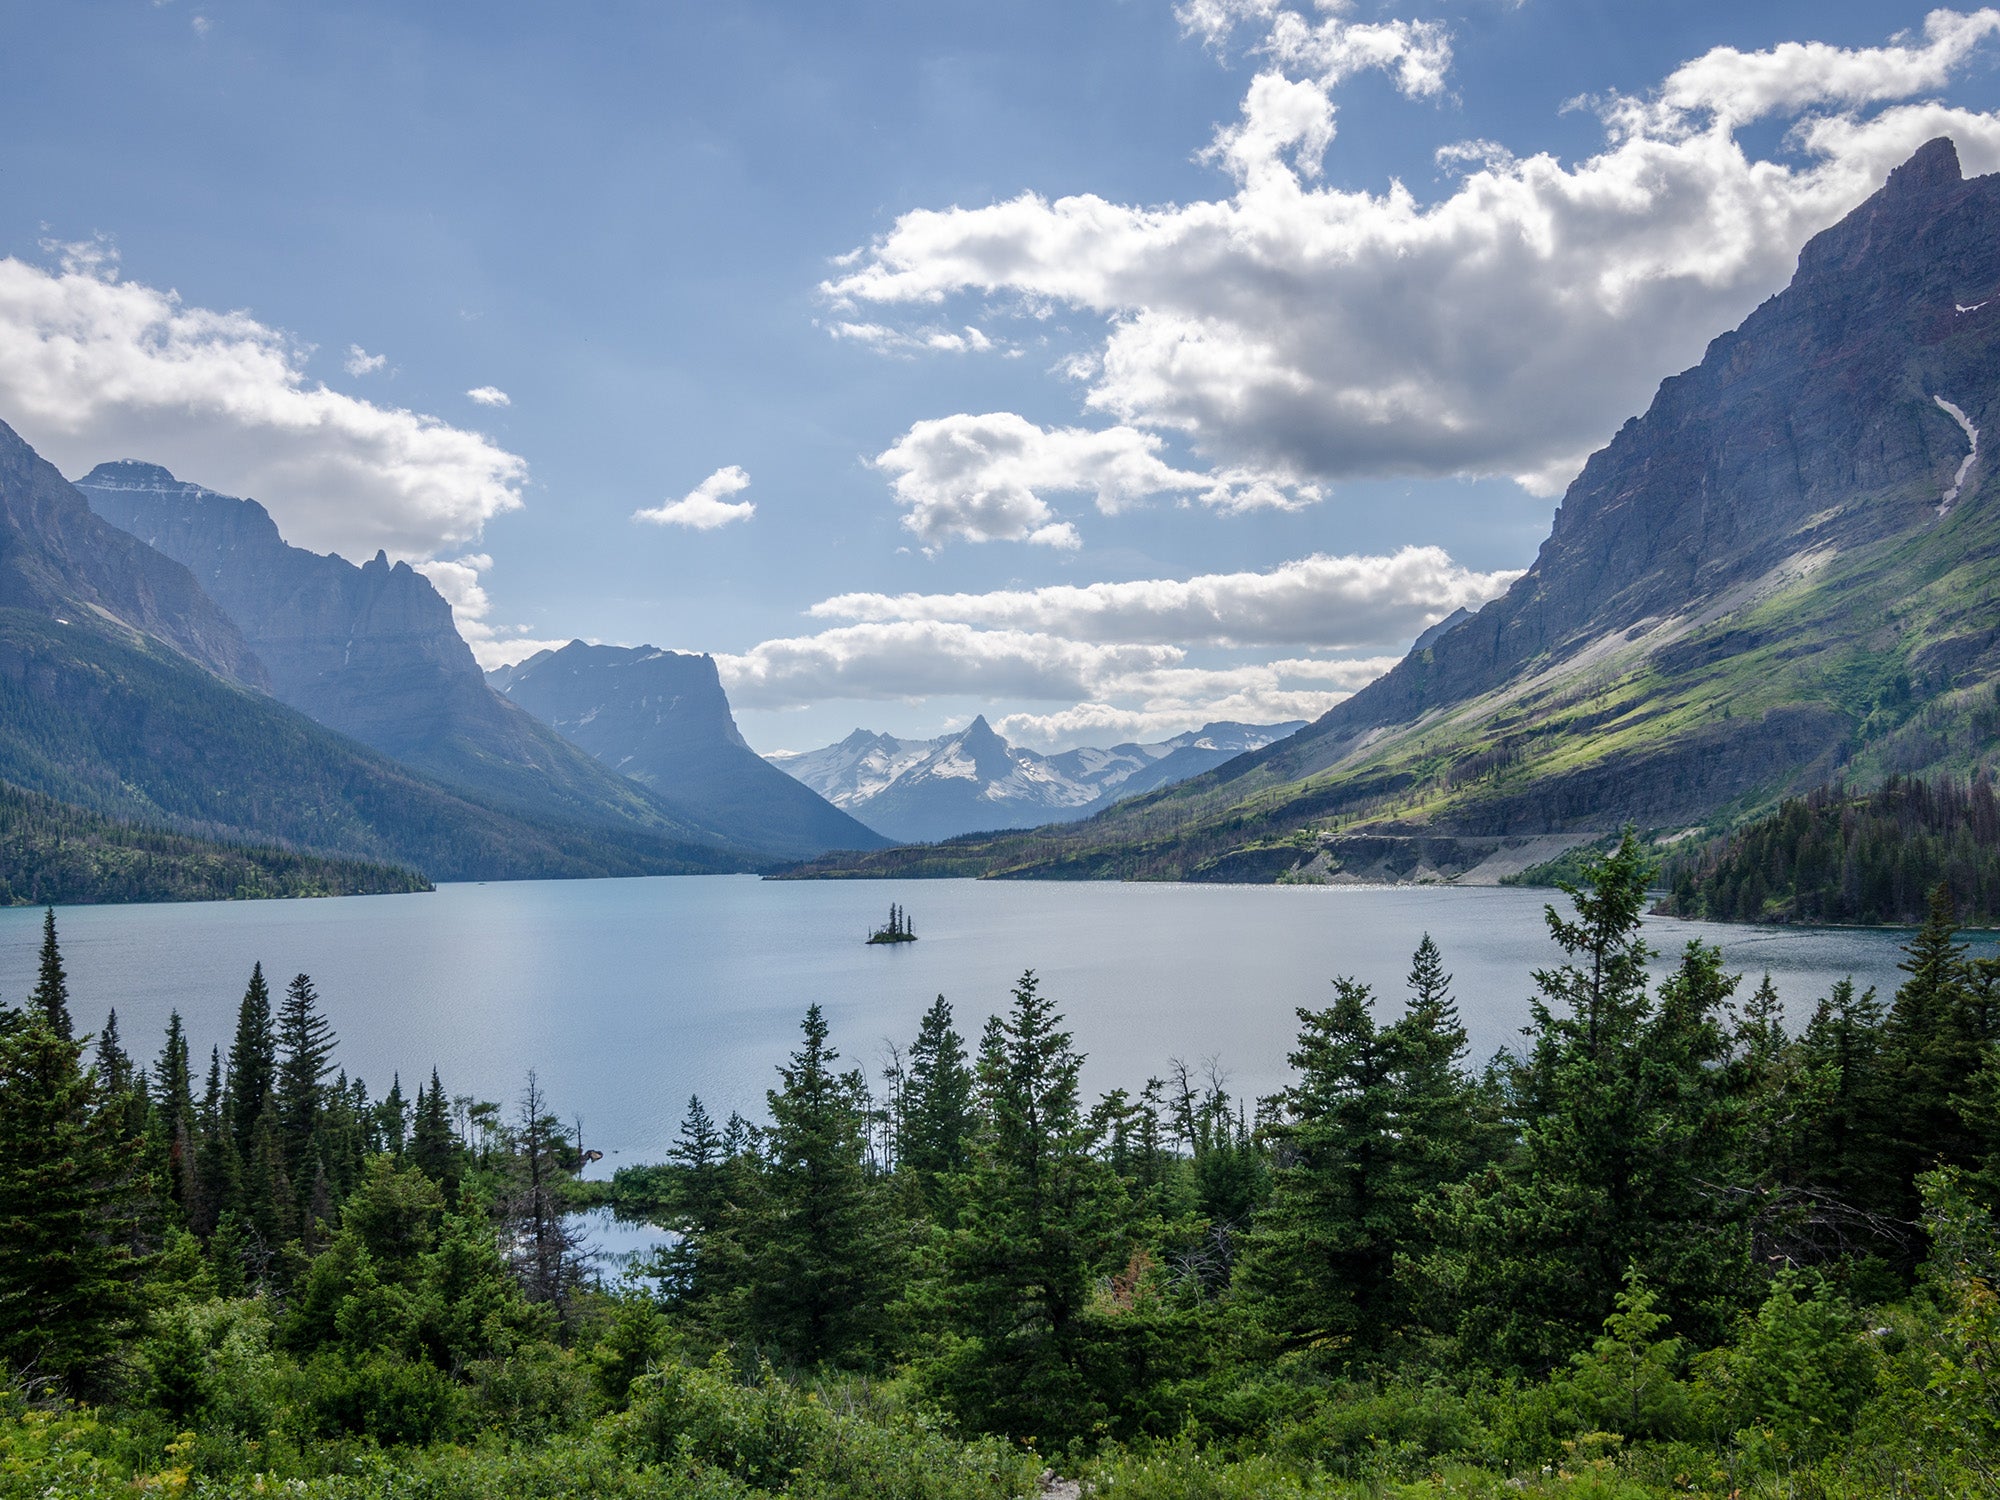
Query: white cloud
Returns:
{"type": "Point", "coordinates": [1301, 332]}
{"type": "Point", "coordinates": [934, 339]}
{"type": "Point", "coordinates": [1174, 701]}
{"type": "Point", "coordinates": [360, 362]}
{"type": "Point", "coordinates": [983, 478]}
{"type": "Point", "coordinates": [458, 579]}
{"type": "Point", "coordinates": [95, 367]}
{"type": "Point", "coordinates": [912, 659]}
{"type": "Point", "coordinates": [490, 395]}
{"type": "Point", "coordinates": [707, 505]}
{"type": "Point", "coordinates": [1333, 603]}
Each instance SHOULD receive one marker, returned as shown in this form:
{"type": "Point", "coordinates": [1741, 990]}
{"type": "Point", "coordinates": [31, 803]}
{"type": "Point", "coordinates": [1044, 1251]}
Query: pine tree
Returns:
{"type": "Point", "coordinates": [1037, 1223]}
{"type": "Point", "coordinates": [937, 1116]}
{"type": "Point", "coordinates": [1931, 1048]}
{"type": "Point", "coordinates": [433, 1146]}
{"type": "Point", "coordinates": [821, 1261]}
{"type": "Point", "coordinates": [51, 992]}
{"type": "Point", "coordinates": [253, 1061]}
{"type": "Point", "coordinates": [305, 1053]}
{"type": "Point", "coordinates": [392, 1118]}
{"type": "Point", "coordinates": [65, 1271]}
{"type": "Point", "coordinates": [1321, 1263]}
{"type": "Point", "coordinates": [174, 1117]}
{"type": "Point", "coordinates": [217, 1169]}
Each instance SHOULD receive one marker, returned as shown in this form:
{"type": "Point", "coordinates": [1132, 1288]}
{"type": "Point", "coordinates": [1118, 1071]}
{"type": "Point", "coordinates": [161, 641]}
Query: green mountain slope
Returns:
{"type": "Point", "coordinates": [123, 726]}
{"type": "Point", "coordinates": [54, 854]}
{"type": "Point", "coordinates": [1786, 570]}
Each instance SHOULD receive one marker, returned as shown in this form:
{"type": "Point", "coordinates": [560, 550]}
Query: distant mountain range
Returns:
{"type": "Point", "coordinates": [919, 791]}
{"type": "Point", "coordinates": [662, 719]}
{"type": "Point", "coordinates": [1786, 569]}
{"type": "Point", "coordinates": [189, 706]}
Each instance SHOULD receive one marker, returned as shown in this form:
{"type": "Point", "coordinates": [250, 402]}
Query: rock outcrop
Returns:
{"type": "Point", "coordinates": [662, 719]}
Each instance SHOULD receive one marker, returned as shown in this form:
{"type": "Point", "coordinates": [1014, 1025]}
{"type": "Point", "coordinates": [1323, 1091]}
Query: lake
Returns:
{"type": "Point", "coordinates": [626, 996]}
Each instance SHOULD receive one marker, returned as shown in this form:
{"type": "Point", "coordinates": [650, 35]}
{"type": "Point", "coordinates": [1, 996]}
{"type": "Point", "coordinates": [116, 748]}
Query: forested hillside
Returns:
{"type": "Point", "coordinates": [1666, 1247]}
{"type": "Point", "coordinates": [54, 854]}
{"type": "Point", "coordinates": [1846, 857]}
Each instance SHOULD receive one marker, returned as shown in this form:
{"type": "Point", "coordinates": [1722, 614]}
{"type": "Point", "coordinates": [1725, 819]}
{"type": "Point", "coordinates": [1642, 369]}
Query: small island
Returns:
{"type": "Point", "coordinates": [896, 930]}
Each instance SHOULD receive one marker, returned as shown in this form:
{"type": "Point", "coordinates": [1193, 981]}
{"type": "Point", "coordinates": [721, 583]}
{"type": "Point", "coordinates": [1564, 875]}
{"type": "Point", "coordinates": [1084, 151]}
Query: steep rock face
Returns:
{"type": "Point", "coordinates": [1816, 426]}
{"type": "Point", "coordinates": [662, 718]}
{"type": "Point", "coordinates": [1783, 571]}
{"type": "Point", "coordinates": [974, 780]}
{"type": "Point", "coordinates": [371, 651]}
{"type": "Point", "coordinates": [56, 558]}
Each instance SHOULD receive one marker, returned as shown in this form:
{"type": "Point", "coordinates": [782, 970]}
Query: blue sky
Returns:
{"type": "Point", "coordinates": [1207, 424]}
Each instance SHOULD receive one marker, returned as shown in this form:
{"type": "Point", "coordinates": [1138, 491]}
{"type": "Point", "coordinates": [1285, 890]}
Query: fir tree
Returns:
{"type": "Point", "coordinates": [1037, 1222]}
{"type": "Point", "coordinates": [937, 1117]}
{"type": "Point", "coordinates": [217, 1170]}
{"type": "Point", "coordinates": [253, 1061]}
{"type": "Point", "coordinates": [174, 1117]}
{"type": "Point", "coordinates": [51, 992]}
{"type": "Point", "coordinates": [65, 1272]}
{"type": "Point", "coordinates": [433, 1147]}
{"type": "Point", "coordinates": [820, 1259]}
{"type": "Point", "coordinates": [305, 1053]}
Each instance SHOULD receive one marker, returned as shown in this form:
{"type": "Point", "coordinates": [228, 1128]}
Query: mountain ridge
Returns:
{"type": "Point", "coordinates": [1782, 569]}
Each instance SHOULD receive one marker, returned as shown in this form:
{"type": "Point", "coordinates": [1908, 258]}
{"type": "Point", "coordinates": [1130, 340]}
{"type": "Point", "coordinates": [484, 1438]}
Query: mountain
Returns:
{"type": "Point", "coordinates": [373, 652]}
{"type": "Point", "coordinates": [1784, 570]}
{"type": "Point", "coordinates": [920, 791]}
{"type": "Point", "coordinates": [662, 719]}
{"type": "Point", "coordinates": [125, 692]}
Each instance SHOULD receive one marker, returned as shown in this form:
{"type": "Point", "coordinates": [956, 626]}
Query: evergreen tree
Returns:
{"type": "Point", "coordinates": [433, 1146]}
{"type": "Point", "coordinates": [1037, 1223]}
{"type": "Point", "coordinates": [305, 1059]}
{"type": "Point", "coordinates": [821, 1261]}
{"type": "Point", "coordinates": [392, 1118]}
{"type": "Point", "coordinates": [937, 1122]}
{"type": "Point", "coordinates": [65, 1271]}
{"type": "Point", "coordinates": [253, 1061]}
{"type": "Point", "coordinates": [217, 1170]}
{"type": "Point", "coordinates": [1931, 1047]}
{"type": "Point", "coordinates": [51, 992]}
{"type": "Point", "coordinates": [1321, 1262]}
{"type": "Point", "coordinates": [174, 1118]}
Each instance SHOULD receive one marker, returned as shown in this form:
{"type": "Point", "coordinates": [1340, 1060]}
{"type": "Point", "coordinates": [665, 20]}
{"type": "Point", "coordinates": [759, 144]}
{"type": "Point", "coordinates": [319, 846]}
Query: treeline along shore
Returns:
{"type": "Point", "coordinates": [1675, 1242]}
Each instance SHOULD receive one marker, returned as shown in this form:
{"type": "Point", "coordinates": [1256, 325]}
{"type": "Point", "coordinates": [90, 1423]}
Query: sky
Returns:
{"type": "Point", "coordinates": [1102, 366]}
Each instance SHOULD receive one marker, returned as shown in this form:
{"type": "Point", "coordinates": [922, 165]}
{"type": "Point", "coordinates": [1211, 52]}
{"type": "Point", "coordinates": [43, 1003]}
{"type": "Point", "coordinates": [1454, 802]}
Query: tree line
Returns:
{"type": "Point", "coordinates": [1668, 1241]}
{"type": "Point", "coordinates": [1837, 856]}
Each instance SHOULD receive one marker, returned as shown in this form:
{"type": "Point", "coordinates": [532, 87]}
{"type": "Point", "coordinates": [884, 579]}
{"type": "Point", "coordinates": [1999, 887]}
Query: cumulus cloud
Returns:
{"type": "Point", "coordinates": [707, 505]}
{"type": "Point", "coordinates": [458, 579]}
{"type": "Point", "coordinates": [912, 659]}
{"type": "Point", "coordinates": [933, 339]}
{"type": "Point", "coordinates": [490, 395]}
{"type": "Point", "coordinates": [360, 362]}
{"type": "Point", "coordinates": [1298, 331]}
{"type": "Point", "coordinates": [1176, 700]}
{"type": "Point", "coordinates": [92, 365]}
{"type": "Point", "coordinates": [1335, 603]}
{"type": "Point", "coordinates": [1109, 690]}
{"type": "Point", "coordinates": [984, 478]}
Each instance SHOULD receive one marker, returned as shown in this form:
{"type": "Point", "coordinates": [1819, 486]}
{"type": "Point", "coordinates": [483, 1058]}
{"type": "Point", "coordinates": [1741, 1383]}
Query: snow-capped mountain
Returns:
{"type": "Point", "coordinates": [919, 791]}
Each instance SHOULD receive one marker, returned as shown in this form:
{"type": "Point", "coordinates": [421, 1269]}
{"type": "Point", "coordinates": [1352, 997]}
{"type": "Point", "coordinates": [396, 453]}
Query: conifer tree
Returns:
{"type": "Point", "coordinates": [1931, 1047]}
{"type": "Point", "coordinates": [820, 1259]}
{"type": "Point", "coordinates": [65, 1271]}
{"type": "Point", "coordinates": [433, 1146]}
{"type": "Point", "coordinates": [937, 1115]}
{"type": "Point", "coordinates": [305, 1059]}
{"type": "Point", "coordinates": [1321, 1263]}
{"type": "Point", "coordinates": [217, 1170]}
{"type": "Point", "coordinates": [1037, 1223]}
{"type": "Point", "coordinates": [253, 1061]}
{"type": "Point", "coordinates": [174, 1117]}
{"type": "Point", "coordinates": [51, 992]}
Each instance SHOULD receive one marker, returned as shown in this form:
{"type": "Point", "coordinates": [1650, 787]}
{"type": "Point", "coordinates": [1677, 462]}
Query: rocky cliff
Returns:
{"type": "Point", "coordinates": [1786, 568]}
{"type": "Point", "coordinates": [662, 718]}
{"type": "Point", "coordinates": [371, 651]}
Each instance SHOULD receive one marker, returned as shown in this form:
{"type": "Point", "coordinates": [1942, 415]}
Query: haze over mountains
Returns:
{"type": "Point", "coordinates": [1786, 569]}
{"type": "Point", "coordinates": [662, 719]}
{"type": "Point", "coordinates": [922, 790]}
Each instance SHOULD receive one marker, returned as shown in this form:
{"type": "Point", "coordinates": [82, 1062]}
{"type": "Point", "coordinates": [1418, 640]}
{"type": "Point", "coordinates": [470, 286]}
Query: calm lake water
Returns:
{"type": "Point", "coordinates": [626, 996]}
